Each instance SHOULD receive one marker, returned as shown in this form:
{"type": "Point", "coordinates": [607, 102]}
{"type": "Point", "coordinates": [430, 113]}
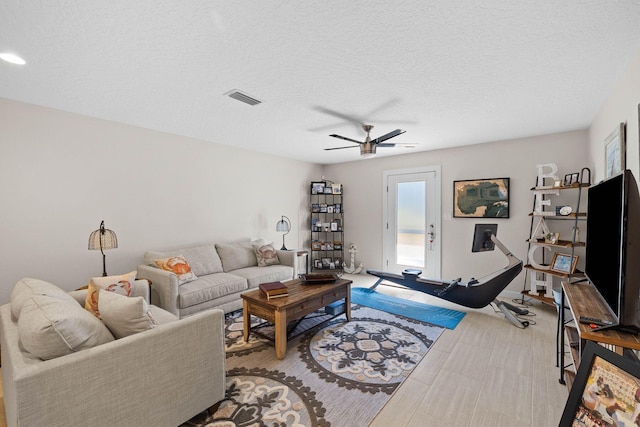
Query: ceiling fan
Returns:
{"type": "Point", "coordinates": [368, 146]}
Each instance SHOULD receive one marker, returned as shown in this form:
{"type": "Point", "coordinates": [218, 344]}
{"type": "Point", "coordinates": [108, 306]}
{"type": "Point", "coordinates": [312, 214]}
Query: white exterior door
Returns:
{"type": "Point", "coordinates": [411, 235]}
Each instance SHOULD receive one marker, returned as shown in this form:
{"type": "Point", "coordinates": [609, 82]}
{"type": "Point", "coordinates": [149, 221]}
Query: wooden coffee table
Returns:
{"type": "Point", "coordinates": [302, 300]}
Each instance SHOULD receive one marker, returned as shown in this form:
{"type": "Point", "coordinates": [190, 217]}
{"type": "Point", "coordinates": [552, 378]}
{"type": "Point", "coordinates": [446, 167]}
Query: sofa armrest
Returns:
{"type": "Point", "coordinates": [131, 381]}
{"type": "Point", "coordinates": [289, 258]}
{"type": "Point", "coordinates": [164, 287]}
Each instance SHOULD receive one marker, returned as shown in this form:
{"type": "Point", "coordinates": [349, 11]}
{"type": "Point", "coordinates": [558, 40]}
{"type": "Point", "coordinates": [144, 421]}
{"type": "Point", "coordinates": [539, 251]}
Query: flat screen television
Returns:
{"type": "Point", "coordinates": [482, 237]}
{"type": "Point", "coordinates": [613, 246]}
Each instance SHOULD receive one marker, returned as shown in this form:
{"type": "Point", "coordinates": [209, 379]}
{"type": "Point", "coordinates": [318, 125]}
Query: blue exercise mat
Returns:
{"type": "Point", "coordinates": [439, 316]}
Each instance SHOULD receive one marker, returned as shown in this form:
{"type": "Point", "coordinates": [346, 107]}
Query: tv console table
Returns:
{"type": "Point", "coordinates": [584, 300]}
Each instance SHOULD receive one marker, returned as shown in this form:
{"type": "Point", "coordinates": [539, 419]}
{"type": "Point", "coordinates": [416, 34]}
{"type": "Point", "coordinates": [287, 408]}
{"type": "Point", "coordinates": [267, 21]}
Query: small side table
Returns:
{"type": "Point", "coordinates": [303, 261]}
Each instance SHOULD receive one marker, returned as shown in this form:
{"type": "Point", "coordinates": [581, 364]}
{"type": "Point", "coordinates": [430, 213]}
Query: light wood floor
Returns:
{"type": "Point", "coordinates": [485, 372]}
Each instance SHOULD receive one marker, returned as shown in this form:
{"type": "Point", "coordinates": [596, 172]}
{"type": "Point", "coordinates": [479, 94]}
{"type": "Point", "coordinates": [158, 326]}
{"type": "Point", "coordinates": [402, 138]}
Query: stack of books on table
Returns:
{"type": "Point", "coordinates": [274, 290]}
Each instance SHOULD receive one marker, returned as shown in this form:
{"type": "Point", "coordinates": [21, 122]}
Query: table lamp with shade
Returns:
{"type": "Point", "coordinates": [102, 239]}
{"type": "Point", "coordinates": [283, 226]}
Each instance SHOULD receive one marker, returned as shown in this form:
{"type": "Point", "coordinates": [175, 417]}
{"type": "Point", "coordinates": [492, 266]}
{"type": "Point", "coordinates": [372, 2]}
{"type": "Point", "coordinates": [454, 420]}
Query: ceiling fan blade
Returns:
{"type": "Point", "coordinates": [386, 144]}
{"type": "Point", "coordinates": [345, 138]}
{"type": "Point", "coordinates": [339, 148]}
{"type": "Point", "coordinates": [339, 115]}
{"type": "Point", "coordinates": [388, 136]}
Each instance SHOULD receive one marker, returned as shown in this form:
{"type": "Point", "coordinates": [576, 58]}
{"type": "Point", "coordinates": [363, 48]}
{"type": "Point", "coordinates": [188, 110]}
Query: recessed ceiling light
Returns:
{"type": "Point", "coordinates": [14, 59]}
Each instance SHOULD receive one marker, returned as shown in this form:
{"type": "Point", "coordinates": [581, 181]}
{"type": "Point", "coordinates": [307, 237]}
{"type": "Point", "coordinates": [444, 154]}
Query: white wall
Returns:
{"type": "Point", "coordinates": [516, 159]}
{"type": "Point", "coordinates": [61, 174]}
{"type": "Point", "coordinates": [621, 106]}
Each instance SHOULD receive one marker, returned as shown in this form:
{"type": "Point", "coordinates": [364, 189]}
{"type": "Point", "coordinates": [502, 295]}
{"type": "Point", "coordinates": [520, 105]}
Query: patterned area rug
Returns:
{"type": "Point", "coordinates": [331, 367]}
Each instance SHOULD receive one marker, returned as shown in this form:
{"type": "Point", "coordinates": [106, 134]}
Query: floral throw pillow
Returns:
{"type": "Point", "coordinates": [118, 284]}
{"type": "Point", "coordinates": [179, 266]}
{"type": "Point", "coordinates": [266, 255]}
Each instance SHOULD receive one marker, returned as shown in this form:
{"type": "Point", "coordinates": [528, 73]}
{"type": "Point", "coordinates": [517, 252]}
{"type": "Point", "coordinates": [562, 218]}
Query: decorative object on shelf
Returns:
{"type": "Point", "coordinates": [352, 269]}
{"type": "Point", "coordinates": [283, 226]}
{"type": "Point", "coordinates": [336, 188]}
{"type": "Point", "coordinates": [565, 210]}
{"type": "Point", "coordinates": [615, 151]}
{"type": "Point", "coordinates": [564, 263]}
{"type": "Point", "coordinates": [552, 238]}
{"type": "Point", "coordinates": [571, 178]}
{"type": "Point", "coordinates": [103, 239]}
{"type": "Point", "coordinates": [481, 198]}
{"type": "Point", "coordinates": [542, 173]}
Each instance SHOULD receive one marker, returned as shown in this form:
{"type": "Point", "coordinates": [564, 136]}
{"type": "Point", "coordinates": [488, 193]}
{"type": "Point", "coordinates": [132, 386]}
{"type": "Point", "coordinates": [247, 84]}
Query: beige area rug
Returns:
{"type": "Point", "coordinates": [335, 373]}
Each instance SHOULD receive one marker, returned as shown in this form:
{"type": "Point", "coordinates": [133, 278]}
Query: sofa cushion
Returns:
{"type": "Point", "coordinates": [119, 284]}
{"type": "Point", "coordinates": [266, 255]}
{"type": "Point", "coordinates": [209, 287]}
{"type": "Point", "coordinates": [162, 316]}
{"type": "Point", "coordinates": [257, 275]}
{"type": "Point", "coordinates": [202, 259]}
{"type": "Point", "coordinates": [179, 266]}
{"type": "Point", "coordinates": [238, 255]}
{"type": "Point", "coordinates": [25, 288]}
{"type": "Point", "coordinates": [124, 316]}
{"type": "Point", "coordinates": [50, 327]}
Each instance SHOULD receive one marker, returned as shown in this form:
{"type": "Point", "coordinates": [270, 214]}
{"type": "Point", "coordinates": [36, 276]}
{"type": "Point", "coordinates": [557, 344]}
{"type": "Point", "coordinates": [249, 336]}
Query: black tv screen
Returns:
{"type": "Point", "coordinates": [604, 237]}
{"type": "Point", "coordinates": [612, 245]}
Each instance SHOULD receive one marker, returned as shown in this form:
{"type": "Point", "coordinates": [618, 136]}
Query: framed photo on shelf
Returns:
{"type": "Point", "coordinates": [326, 262]}
{"type": "Point", "coordinates": [481, 198]}
{"type": "Point", "coordinates": [606, 386]}
{"type": "Point", "coordinates": [317, 263]}
{"type": "Point", "coordinates": [317, 187]}
{"type": "Point", "coordinates": [615, 151]}
{"type": "Point", "coordinates": [336, 188]}
{"type": "Point", "coordinates": [563, 263]}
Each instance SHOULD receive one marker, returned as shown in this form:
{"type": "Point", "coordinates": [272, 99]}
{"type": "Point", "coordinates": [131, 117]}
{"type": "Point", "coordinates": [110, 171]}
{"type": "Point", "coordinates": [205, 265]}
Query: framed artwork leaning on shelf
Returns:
{"type": "Point", "coordinates": [563, 263]}
{"type": "Point", "coordinates": [606, 388]}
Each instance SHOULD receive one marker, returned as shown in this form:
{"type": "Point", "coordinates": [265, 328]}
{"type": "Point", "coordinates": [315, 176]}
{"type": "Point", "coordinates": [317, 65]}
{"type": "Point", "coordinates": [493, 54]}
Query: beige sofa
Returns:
{"type": "Point", "coordinates": [160, 377]}
{"type": "Point", "coordinates": [223, 271]}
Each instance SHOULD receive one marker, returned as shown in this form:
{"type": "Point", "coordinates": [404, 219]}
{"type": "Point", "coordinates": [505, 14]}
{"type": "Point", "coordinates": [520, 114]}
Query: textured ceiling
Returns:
{"type": "Point", "coordinates": [449, 72]}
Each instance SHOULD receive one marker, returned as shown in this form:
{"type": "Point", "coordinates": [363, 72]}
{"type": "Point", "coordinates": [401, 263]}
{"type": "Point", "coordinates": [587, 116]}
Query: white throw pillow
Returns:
{"type": "Point", "coordinates": [118, 284]}
{"type": "Point", "coordinates": [51, 327]}
{"type": "Point", "coordinates": [124, 316]}
{"type": "Point", "coordinates": [266, 255]}
{"type": "Point", "coordinates": [179, 266]}
{"type": "Point", "coordinates": [26, 287]}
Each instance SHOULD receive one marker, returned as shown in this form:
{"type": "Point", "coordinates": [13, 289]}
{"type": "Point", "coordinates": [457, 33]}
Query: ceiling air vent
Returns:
{"type": "Point", "coordinates": [243, 97]}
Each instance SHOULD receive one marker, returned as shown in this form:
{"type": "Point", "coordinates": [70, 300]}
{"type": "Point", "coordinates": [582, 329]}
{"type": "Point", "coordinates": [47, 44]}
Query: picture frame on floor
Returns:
{"type": "Point", "coordinates": [606, 388]}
